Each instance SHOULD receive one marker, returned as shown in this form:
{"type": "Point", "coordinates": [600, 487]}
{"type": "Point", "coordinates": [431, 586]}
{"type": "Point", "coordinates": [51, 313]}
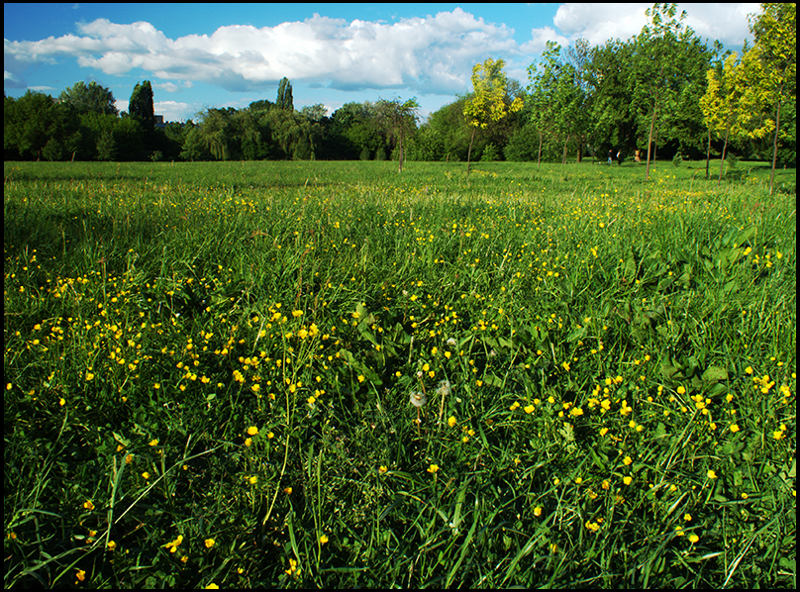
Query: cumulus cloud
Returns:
{"type": "Point", "coordinates": [598, 23]}
{"type": "Point", "coordinates": [726, 22]}
{"type": "Point", "coordinates": [428, 55]}
{"type": "Point", "coordinates": [434, 53]}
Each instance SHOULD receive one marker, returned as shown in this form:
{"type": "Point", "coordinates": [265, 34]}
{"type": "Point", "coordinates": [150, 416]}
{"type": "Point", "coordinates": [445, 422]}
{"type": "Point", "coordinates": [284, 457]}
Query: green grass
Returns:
{"type": "Point", "coordinates": [608, 368]}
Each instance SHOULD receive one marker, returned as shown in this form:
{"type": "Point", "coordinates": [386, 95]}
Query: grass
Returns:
{"type": "Point", "coordinates": [210, 370]}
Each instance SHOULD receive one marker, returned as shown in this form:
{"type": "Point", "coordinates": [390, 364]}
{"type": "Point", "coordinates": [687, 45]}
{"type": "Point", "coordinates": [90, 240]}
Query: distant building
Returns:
{"type": "Point", "coordinates": [159, 121]}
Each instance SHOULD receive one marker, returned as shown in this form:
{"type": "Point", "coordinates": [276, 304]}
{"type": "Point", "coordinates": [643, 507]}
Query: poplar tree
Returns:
{"type": "Point", "coordinates": [285, 100]}
{"type": "Point", "coordinates": [140, 106]}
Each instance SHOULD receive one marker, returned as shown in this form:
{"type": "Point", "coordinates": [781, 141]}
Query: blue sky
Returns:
{"type": "Point", "coordinates": [218, 55]}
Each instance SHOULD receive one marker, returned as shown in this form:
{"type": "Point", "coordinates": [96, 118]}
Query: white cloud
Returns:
{"type": "Point", "coordinates": [424, 55]}
{"type": "Point", "coordinates": [540, 37]}
{"type": "Point", "coordinates": [725, 22]}
{"type": "Point", "coordinates": [434, 53]}
{"type": "Point", "coordinates": [174, 110]}
{"type": "Point", "coordinates": [598, 23]}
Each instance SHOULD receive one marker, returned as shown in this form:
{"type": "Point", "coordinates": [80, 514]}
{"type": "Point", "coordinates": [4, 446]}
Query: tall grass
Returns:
{"type": "Point", "coordinates": [210, 371]}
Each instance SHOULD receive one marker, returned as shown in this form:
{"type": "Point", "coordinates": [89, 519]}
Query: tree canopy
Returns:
{"type": "Point", "coordinates": [664, 92]}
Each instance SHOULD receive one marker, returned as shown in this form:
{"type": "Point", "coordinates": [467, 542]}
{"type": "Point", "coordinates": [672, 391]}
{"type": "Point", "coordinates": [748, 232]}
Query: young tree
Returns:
{"type": "Point", "coordinates": [722, 102]}
{"type": "Point", "coordinates": [489, 102]}
{"type": "Point", "coordinates": [771, 69]}
{"type": "Point", "coordinates": [398, 119]}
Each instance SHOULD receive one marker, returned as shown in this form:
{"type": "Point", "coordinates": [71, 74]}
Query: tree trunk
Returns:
{"type": "Point", "coordinates": [400, 155]}
{"type": "Point", "coordinates": [775, 144]}
{"type": "Point", "coordinates": [655, 146]}
{"type": "Point", "coordinates": [650, 142]}
{"type": "Point", "coordinates": [469, 150]}
{"type": "Point", "coordinates": [708, 153]}
{"type": "Point", "coordinates": [564, 156]}
{"type": "Point", "coordinates": [724, 150]}
{"type": "Point", "coordinates": [539, 157]}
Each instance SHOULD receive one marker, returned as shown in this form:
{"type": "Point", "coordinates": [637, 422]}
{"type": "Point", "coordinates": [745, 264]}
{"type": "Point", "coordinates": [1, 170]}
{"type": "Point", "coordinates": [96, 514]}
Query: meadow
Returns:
{"type": "Point", "coordinates": [329, 374]}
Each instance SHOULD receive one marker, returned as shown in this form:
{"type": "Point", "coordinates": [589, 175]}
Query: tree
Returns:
{"type": "Point", "coordinates": [36, 126]}
{"type": "Point", "coordinates": [398, 120]}
{"type": "Point", "coordinates": [577, 56]}
{"type": "Point", "coordinates": [612, 113]}
{"type": "Point", "coordinates": [558, 99]}
{"type": "Point", "coordinates": [489, 102]}
{"type": "Point", "coordinates": [664, 62]}
{"type": "Point", "coordinates": [284, 100]}
{"type": "Point", "coordinates": [89, 98]}
{"type": "Point", "coordinates": [216, 133]}
{"type": "Point", "coordinates": [771, 69]}
{"type": "Point", "coordinates": [722, 102]}
{"type": "Point", "coordinates": [356, 132]}
{"type": "Point", "coordinates": [446, 134]}
{"type": "Point", "coordinates": [140, 106]}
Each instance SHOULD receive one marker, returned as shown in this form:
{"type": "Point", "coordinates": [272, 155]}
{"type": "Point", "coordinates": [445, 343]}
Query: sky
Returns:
{"type": "Point", "coordinates": [197, 56]}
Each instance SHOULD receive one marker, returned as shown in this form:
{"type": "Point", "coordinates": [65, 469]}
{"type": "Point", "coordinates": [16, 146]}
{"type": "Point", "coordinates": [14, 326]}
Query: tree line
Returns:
{"type": "Point", "coordinates": [664, 93]}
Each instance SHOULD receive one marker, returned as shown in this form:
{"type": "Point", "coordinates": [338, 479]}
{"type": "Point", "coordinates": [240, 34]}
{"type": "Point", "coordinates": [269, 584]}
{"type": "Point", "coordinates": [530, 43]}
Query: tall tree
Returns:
{"type": "Point", "coordinates": [140, 106]}
{"type": "Point", "coordinates": [771, 68]}
{"type": "Point", "coordinates": [663, 56]}
{"type": "Point", "coordinates": [612, 113]}
{"type": "Point", "coordinates": [490, 101]}
{"type": "Point", "coordinates": [284, 100]}
{"type": "Point", "coordinates": [558, 97]}
{"type": "Point", "coordinates": [578, 57]}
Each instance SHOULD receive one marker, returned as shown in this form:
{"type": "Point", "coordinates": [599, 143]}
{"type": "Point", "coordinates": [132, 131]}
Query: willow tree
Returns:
{"type": "Point", "coordinates": [490, 101]}
{"type": "Point", "coordinates": [398, 119]}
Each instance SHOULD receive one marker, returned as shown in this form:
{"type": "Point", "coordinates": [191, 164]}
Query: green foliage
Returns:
{"type": "Point", "coordinates": [770, 69]}
{"type": "Point", "coordinates": [140, 106]}
{"type": "Point", "coordinates": [669, 65]}
{"type": "Point", "coordinates": [398, 120]}
{"type": "Point", "coordinates": [89, 98]}
{"type": "Point", "coordinates": [653, 90]}
{"type": "Point", "coordinates": [490, 101]}
{"type": "Point", "coordinates": [284, 99]}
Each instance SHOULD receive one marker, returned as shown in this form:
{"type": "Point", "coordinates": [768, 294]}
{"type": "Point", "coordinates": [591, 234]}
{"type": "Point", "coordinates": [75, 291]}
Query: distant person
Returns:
{"type": "Point", "coordinates": [619, 157]}
{"type": "Point", "coordinates": [610, 155]}
{"type": "Point", "coordinates": [637, 156]}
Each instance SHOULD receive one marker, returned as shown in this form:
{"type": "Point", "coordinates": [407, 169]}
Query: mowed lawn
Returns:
{"type": "Point", "coordinates": [329, 374]}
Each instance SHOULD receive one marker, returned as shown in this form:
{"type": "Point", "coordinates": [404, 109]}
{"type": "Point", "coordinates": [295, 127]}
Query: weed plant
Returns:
{"type": "Point", "coordinates": [328, 374]}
